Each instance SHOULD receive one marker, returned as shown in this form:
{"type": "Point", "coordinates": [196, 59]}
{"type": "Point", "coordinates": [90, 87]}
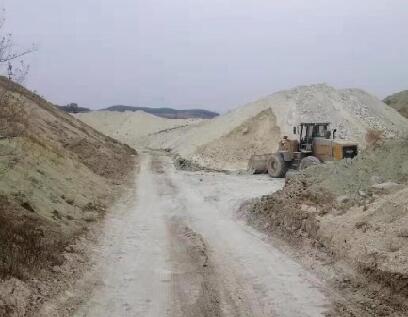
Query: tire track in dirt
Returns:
{"type": "Point", "coordinates": [194, 282]}
{"type": "Point", "coordinates": [252, 278]}
{"type": "Point", "coordinates": [196, 285]}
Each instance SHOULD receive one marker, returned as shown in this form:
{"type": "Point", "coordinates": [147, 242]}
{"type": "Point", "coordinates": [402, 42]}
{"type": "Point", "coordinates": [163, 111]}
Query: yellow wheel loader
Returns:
{"type": "Point", "coordinates": [316, 144]}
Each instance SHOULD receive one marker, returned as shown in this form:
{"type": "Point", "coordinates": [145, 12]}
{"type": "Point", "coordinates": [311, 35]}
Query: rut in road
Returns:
{"type": "Point", "coordinates": [176, 250]}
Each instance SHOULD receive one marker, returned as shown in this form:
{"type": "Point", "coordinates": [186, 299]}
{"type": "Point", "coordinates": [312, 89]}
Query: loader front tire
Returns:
{"type": "Point", "coordinates": [277, 167]}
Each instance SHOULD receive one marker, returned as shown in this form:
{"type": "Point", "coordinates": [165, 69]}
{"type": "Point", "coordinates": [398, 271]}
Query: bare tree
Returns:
{"type": "Point", "coordinates": [13, 115]}
{"type": "Point", "coordinates": [11, 56]}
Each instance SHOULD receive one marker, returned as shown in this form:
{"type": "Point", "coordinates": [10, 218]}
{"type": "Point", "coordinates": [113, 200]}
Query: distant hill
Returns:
{"type": "Point", "coordinates": [399, 102]}
{"type": "Point", "coordinates": [74, 108]}
{"type": "Point", "coordinates": [168, 112]}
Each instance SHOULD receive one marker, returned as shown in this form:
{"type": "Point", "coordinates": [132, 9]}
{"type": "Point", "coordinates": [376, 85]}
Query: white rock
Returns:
{"type": "Point", "coordinates": [375, 179]}
{"type": "Point", "coordinates": [342, 199]}
{"type": "Point", "coordinates": [386, 188]}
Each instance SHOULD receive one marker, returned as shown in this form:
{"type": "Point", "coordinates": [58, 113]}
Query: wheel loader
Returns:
{"type": "Point", "coordinates": [316, 143]}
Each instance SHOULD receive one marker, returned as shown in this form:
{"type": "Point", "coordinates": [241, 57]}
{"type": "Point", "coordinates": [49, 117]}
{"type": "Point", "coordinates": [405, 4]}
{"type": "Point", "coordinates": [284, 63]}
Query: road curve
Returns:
{"type": "Point", "coordinates": [176, 249]}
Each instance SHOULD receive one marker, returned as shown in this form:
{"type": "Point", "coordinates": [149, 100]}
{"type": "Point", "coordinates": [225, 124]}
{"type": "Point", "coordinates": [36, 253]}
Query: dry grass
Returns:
{"type": "Point", "coordinates": [56, 176]}
{"type": "Point", "coordinates": [374, 137]}
{"type": "Point", "coordinates": [28, 244]}
{"type": "Point", "coordinates": [14, 117]}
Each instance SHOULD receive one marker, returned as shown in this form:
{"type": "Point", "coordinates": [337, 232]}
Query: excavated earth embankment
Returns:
{"type": "Point", "coordinates": [57, 176]}
{"type": "Point", "coordinates": [355, 214]}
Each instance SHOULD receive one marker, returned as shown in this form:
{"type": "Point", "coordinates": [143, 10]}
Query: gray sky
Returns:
{"type": "Point", "coordinates": [215, 54]}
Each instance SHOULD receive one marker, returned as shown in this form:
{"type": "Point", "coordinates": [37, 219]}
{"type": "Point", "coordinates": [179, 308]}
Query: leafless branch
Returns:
{"type": "Point", "coordinates": [10, 54]}
{"type": "Point", "coordinates": [14, 118]}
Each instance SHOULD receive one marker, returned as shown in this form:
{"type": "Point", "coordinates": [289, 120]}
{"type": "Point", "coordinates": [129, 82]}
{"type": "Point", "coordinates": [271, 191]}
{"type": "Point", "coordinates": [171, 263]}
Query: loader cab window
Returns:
{"type": "Point", "coordinates": [320, 131]}
{"type": "Point", "coordinates": [306, 132]}
{"type": "Point", "coordinates": [310, 131]}
{"type": "Point", "coordinates": [306, 137]}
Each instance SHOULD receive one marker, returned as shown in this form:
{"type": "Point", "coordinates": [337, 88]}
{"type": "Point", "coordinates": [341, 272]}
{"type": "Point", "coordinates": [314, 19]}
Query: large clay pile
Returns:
{"type": "Point", "coordinates": [131, 127]}
{"type": "Point", "coordinates": [228, 141]}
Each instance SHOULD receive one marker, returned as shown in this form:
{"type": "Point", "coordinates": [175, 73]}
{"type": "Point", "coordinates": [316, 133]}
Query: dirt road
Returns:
{"type": "Point", "coordinates": [176, 249]}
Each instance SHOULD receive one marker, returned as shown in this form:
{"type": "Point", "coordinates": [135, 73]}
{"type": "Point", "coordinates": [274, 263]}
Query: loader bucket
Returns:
{"type": "Point", "coordinates": [257, 164]}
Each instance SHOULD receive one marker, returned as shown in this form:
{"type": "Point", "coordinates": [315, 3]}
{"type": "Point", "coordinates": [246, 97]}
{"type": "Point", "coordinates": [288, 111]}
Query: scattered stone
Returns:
{"type": "Point", "coordinates": [344, 199]}
{"type": "Point", "coordinates": [69, 249]}
{"type": "Point", "coordinates": [308, 208]}
{"type": "Point", "coordinates": [394, 245]}
{"type": "Point", "coordinates": [375, 179]}
{"type": "Point", "coordinates": [291, 174]}
{"type": "Point", "coordinates": [403, 233]}
{"type": "Point", "coordinates": [386, 188]}
{"type": "Point", "coordinates": [362, 193]}
{"type": "Point", "coordinates": [69, 217]}
{"type": "Point", "coordinates": [27, 206]}
{"type": "Point", "coordinates": [362, 225]}
{"type": "Point", "coordinates": [56, 215]}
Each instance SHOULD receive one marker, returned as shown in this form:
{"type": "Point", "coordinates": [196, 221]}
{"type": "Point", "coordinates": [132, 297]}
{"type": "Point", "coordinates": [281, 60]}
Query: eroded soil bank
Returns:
{"type": "Point", "coordinates": [348, 221]}
{"type": "Point", "coordinates": [58, 176]}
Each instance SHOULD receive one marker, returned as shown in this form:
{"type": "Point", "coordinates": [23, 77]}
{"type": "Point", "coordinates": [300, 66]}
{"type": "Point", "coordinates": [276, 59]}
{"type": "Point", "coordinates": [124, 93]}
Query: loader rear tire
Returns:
{"type": "Point", "coordinates": [277, 167]}
{"type": "Point", "coordinates": [308, 161]}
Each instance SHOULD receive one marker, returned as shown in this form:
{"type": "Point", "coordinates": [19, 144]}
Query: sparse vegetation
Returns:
{"type": "Point", "coordinates": [74, 108]}
{"type": "Point", "coordinates": [374, 137]}
{"type": "Point", "coordinates": [399, 102]}
{"type": "Point", "coordinates": [13, 115]}
{"type": "Point", "coordinates": [28, 244]}
{"type": "Point", "coordinates": [57, 176]}
{"type": "Point", "coordinates": [11, 56]}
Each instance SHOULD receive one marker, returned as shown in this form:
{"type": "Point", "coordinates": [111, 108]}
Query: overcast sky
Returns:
{"type": "Point", "coordinates": [214, 54]}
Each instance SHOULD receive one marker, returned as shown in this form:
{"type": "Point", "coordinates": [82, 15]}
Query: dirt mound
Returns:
{"type": "Point", "coordinates": [354, 211]}
{"type": "Point", "coordinates": [168, 113]}
{"type": "Point", "coordinates": [130, 127]}
{"type": "Point", "coordinates": [383, 163]}
{"type": "Point", "coordinates": [56, 176]}
{"type": "Point", "coordinates": [256, 135]}
{"type": "Point", "coordinates": [215, 143]}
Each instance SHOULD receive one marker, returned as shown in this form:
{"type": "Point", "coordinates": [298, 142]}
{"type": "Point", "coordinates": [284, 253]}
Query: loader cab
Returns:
{"type": "Point", "coordinates": [308, 131]}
